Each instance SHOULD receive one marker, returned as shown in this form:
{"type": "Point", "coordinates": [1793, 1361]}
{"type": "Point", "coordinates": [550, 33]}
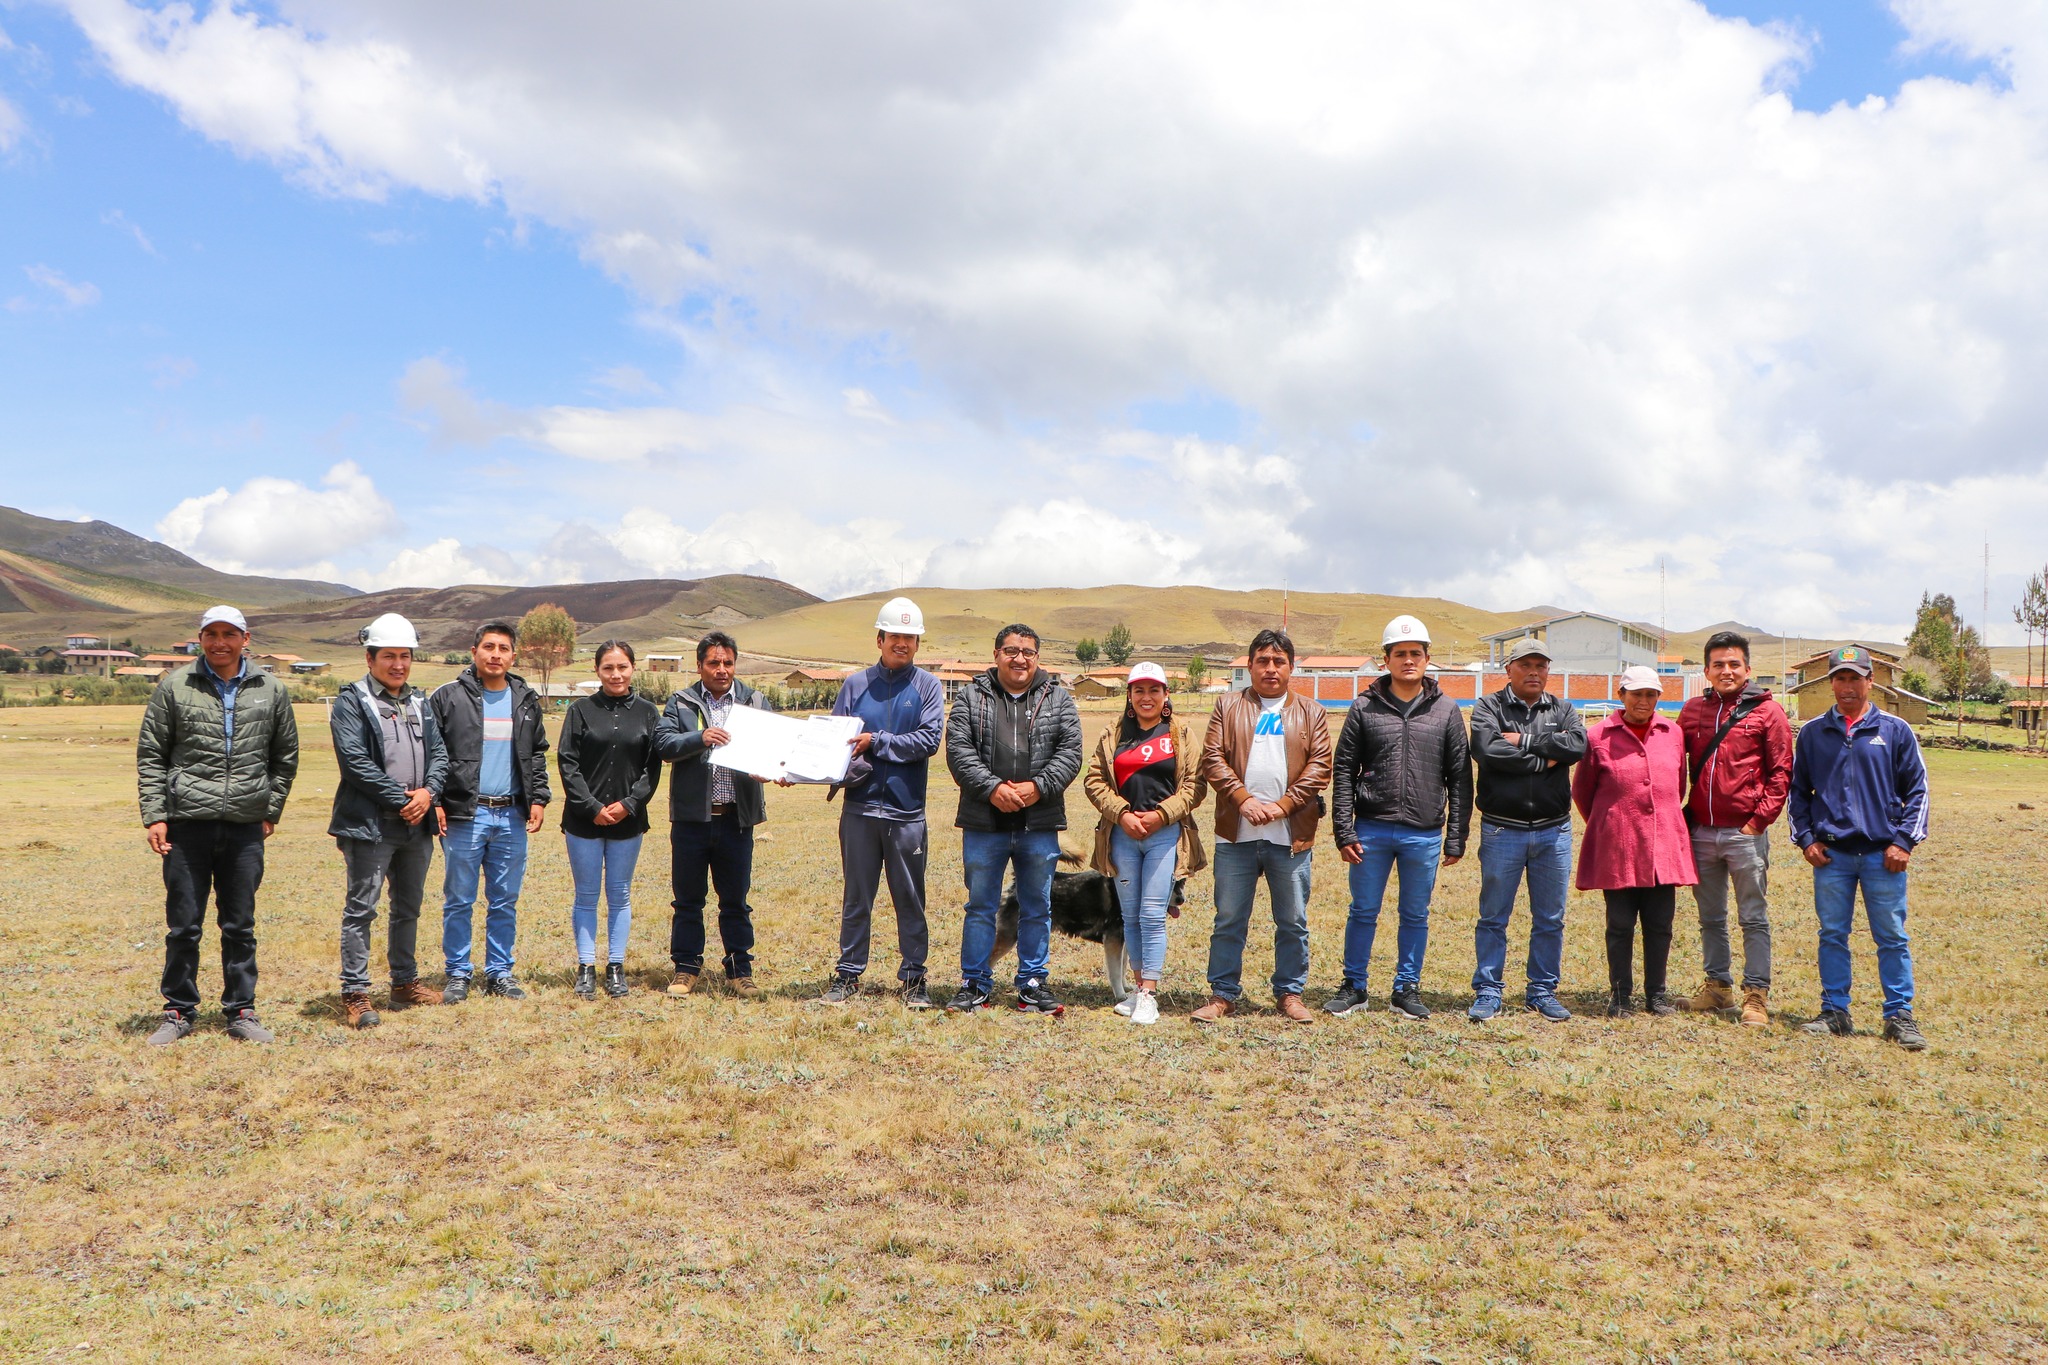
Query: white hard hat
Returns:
{"type": "Point", "coordinates": [389, 631]}
{"type": "Point", "coordinates": [900, 616]}
{"type": "Point", "coordinates": [1403, 629]}
{"type": "Point", "coordinates": [1145, 673]}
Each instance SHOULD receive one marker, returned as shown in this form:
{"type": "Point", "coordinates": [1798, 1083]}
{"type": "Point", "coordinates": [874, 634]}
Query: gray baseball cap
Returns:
{"type": "Point", "coordinates": [1527, 646]}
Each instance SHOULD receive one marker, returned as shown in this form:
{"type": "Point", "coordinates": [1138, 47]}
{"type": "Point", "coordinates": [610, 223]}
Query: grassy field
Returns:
{"type": "Point", "coordinates": [718, 1181]}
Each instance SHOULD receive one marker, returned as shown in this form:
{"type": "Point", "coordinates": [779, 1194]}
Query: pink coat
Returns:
{"type": "Point", "coordinates": [1632, 794]}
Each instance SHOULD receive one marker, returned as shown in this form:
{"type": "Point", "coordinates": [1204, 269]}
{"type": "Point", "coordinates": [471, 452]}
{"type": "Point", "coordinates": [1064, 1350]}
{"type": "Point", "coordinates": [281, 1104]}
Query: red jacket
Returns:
{"type": "Point", "coordinates": [1632, 794]}
{"type": "Point", "coordinates": [1748, 776]}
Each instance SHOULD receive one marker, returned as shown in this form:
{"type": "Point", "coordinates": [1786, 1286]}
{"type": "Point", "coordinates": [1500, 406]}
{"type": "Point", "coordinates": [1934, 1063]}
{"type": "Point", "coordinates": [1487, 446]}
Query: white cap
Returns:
{"type": "Point", "coordinates": [224, 613]}
{"type": "Point", "coordinates": [1145, 673]}
{"type": "Point", "coordinates": [389, 631]}
{"type": "Point", "coordinates": [1402, 629]}
{"type": "Point", "coordinates": [900, 616]}
{"type": "Point", "coordinates": [1639, 678]}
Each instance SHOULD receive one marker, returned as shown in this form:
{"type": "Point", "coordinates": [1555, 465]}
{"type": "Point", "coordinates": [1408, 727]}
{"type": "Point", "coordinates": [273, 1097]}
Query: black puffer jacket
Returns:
{"type": "Point", "coordinates": [459, 710]}
{"type": "Point", "coordinates": [1527, 785]}
{"type": "Point", "coordinates": [1413, 769]}
{"type": "Point", "coordinates": [606, 754]}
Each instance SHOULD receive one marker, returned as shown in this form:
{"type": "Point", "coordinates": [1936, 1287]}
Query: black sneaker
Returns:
{"type": "Point", "coordinates": [1662, 1004]}
{"type": "Point", "coordinates": [967, 999]}
{"type": "Point", "coordinates": [1034, 998]}
{"type": "Point", "coordinates": [456, 991]}
{"type": "Point", "coordinates": [1349, 999]}
{"type": "Point", "coordinates": [1830, 1022]}
{"type": "Point", "coordinates": [1408, 1001]}
{"type": "Point", "coordinates": [915, 996]}
{"type": "Point", "coordinates": [1901, 1029]}
{"type": "Point", "coordinates": [586, 982]}
{"type": "Point", "coordinates": [615, 980]}
{"type": "Point", "coordinates": [504, 986]}
{"type": "Point", "coordinates": [1619, 1006]}
{"type": "Point", "coordinates": [174, 1027]}
{"type": "Point", "coordinates": [842, 989]}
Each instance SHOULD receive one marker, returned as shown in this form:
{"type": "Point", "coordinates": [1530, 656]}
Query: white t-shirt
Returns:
{"type": "Point", "coordinates": [1265, 772]}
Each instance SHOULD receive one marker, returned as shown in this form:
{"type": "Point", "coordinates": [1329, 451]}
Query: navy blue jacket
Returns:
{"type": "Point", "coordinates": [366, 791]}
{"type": "Point", "coordinates": [1872, 791]}
{"type": "Point", "coordinates": [905, 710]}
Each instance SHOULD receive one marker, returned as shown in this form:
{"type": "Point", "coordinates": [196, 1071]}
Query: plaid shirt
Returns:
{"type": "Point", "coordinates": [721, 777]}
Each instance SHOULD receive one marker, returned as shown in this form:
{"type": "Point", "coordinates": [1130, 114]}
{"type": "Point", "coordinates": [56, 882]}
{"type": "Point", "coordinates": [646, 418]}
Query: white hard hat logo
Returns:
{"type": "Point", "coordinates": [904, 618]}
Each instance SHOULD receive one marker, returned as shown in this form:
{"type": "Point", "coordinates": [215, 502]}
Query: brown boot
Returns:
{"type": "Point", "coordinates": [1217, 1008]}
{"type": "Point", "coordinates": [1756, 1007]}
{"type": "Point", "coordinates": [682, 985]}
{"type": "Point", "coordinates": [408, 993]}
{"type": "Point", "coordinates": [1711, 996]}
{"type": "Point", "coordinates": [1294, 1010]}
{"type": "Point", "coordinates": [742, 986]}
{"type": "Point", "coordinates": [360, 1015]}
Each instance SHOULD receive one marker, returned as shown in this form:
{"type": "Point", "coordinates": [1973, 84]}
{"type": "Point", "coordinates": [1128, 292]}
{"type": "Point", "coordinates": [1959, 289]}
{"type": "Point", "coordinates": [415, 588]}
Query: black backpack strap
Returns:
{"type": "Point", "coordinates": [1742, 710]}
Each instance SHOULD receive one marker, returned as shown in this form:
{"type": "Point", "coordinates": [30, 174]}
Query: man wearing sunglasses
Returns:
{"type": "Point", "coordinates": [393, 765]}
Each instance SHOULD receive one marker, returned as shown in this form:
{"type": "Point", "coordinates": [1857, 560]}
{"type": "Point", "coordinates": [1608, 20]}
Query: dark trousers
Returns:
{"type": "Point", "coordinates": [225, 860]}
{"type": "Point", "coordinates": [870, 848]}
{"type": "Point", "coordinates": [720, 850]}
{"type": "Point", "coordinates": [1654, 905]}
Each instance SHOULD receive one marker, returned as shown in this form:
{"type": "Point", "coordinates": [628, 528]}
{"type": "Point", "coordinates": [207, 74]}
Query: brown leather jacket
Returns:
{"type": "Point", "coordinates": [1228, 746]}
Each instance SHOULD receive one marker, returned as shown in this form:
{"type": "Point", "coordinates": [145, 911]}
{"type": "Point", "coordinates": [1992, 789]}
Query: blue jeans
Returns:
{"type": "Point", "coordinates": [1238, 869]}
{"type": "Point", "coordinates": [1385, 846]}
{"type": "Point", "coordinates": [1144, 888]}
{"type": "Point", "coordinates": [606, 864]}
{"type": "Point", "coordinates": [492, 846]}
{"type": "Point", "coordinates": [985, 856]}
{"type": "Point", "coordinates": [1505, 853]}
{"type": "Point", "coordinates": [1884, 904]}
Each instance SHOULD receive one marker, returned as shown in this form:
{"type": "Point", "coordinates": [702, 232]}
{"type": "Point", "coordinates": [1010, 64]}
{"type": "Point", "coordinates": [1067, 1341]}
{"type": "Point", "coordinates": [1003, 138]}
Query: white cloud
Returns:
{"type": "Point", "coordinates": [115, 218]}
{"type": "Point", "coordinates": [1515, 297]}
{"type": "Point", "coordinates": [272, 525]}
{"type": "Point", "coordinates": [69, 293]}
{"type": "Point", "coordinates": [440, 564]}
{"type": "Point", "coordinates": [12, 125]}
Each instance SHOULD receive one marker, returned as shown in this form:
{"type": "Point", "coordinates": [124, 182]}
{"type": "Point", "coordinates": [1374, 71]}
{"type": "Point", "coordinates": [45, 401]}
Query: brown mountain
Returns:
{"type": "Point", "coordinates": [106, 552]}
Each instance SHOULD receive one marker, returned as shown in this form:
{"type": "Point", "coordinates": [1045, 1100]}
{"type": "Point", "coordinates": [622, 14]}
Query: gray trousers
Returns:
{"type": "Point", "coordinates": [401, 861]}
{"type": "Point", "coordinates": [870, 846]}
{"type": "Point", "coordinates": [1722, 856]}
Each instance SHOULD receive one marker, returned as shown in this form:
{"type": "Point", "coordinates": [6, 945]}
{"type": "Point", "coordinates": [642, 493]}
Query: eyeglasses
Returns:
{"type": "Point", "coordinates": [1018, 653]}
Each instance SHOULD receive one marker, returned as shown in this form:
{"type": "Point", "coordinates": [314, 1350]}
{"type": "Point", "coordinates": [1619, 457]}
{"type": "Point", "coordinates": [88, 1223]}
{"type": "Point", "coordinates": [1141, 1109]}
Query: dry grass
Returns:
{"type": "Point", "coordinates": [719, 1181]}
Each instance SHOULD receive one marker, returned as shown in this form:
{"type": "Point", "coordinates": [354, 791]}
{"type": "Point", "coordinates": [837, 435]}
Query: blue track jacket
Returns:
{"type": "Point", "coordinates": [1874, 788]}
{"type": "Point", "coordinates": [905, 710]}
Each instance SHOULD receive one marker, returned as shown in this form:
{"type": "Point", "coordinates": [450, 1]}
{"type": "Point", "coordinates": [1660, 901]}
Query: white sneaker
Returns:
{"type": "Point", "coordinates": [1144, 1008]}
{"type": "Point", "coordinates": [1124, 1005]}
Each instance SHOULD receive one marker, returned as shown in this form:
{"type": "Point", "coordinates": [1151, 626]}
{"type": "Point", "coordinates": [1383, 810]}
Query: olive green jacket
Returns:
{"type": "Point", "coordinates": [183, 768]}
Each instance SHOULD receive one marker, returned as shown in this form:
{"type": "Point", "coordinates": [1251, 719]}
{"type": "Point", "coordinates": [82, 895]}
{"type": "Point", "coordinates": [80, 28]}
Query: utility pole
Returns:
{"type": "Point", "coordinates": [1663, 630]}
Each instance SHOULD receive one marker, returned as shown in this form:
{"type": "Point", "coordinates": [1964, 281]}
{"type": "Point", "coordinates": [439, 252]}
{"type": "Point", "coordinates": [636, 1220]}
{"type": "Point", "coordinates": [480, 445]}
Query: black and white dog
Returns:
{"type": "Point", "coordinates": [1084, 905]}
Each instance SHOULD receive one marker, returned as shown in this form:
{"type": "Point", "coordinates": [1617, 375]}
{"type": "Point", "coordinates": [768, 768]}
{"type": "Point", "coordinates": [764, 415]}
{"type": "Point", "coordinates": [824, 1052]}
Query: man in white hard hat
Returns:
{"type": "Point", "coordinates": [393, 764]}
{"type": "Point", "coordinates": [902, 710]}
{"type": "Point", "coordinates": [213, 764]}
{"type": "Point", "coordinates": [1402, 798]}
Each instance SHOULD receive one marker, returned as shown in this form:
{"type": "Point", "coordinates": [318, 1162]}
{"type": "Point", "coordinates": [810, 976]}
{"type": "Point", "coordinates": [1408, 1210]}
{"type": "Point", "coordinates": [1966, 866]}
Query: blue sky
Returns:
{"type": "Point", "coordinates": [950, 323]}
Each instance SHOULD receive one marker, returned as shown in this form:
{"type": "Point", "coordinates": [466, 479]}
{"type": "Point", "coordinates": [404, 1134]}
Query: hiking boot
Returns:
{"type": "Point", "coordinates": [505, 986]}
{"type": "Point", "coordinates": [1756, 1006]}
{"type": "Point", "coordinates": [1293, 1010]}
{"type": "Point", "coordinates": [681, 984]}
{"type": "Point", "coordinates": [1550, 1007]}
{"type": "Point", "coordinates": [245, 1028]}
{"type": "Point", "coordinates": [1484, 1007]}
{"type": "Point", "coordinates": [1619, 1006]}
{"type": "Point", "coordinates": [742, 986]}
{"type": "Point", "coordinates": [615, 980]}
{"type": "Point", "coordinates": [1712, 997]}
{"type": "Point", "coordinates": [405, 994]}
{"type": "Point", "coordinates": [967, 999]}
{"type": "Point", "coordinates": [456, 991]}
{"type": "Point", "coordinates": [1835, 1022]}
{"type": "Point", "coordinates": [1662, 1005]}
{"type": "Point", "coordinates": [1217, 1008]}
{"type": "Point", "coordinates": [174, 1027]}
{"type": "Point", "coordinates": [1145, 1008]}
{"type": "Point", "coordinates": [842, 989]}
{"type": "Point", "coordinates": [1408, 1001]}
{"type": "Point", "coordinates": [1349, 999]}
{"type": "Point", "coordinates": [586, 981]}
{"type": "Point", "coordinates": [1034, 998]}
{"type": "Point", "coordinates": [360, 1015]}
{"type": "Point", "coordinates": [916, 995]}
{"type": "Point", "coordinates": [1901, 1029]}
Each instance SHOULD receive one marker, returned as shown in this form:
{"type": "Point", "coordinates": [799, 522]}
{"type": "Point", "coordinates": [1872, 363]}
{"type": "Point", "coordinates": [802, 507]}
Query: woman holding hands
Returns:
{"type": "Point", "coordinates": [609, 774]}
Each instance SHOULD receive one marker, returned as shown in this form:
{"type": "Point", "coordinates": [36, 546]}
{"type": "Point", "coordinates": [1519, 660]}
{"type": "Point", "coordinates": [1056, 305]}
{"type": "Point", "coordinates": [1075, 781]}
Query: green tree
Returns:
{"type": "Point", "coordinates": [1198, 673]}
{"type": "Point", "coordinates": [2032, 615]}
{"type": "Point", "coordinates": [1934, 631]}
{"type": "Point", "coordinates": [547, 641]}
{"type": "Point", "coordinates": [1117, 645]}
{"type": "Point", "coordinates": [1086, 651]}
{"type": "Point", "coordinates": [1965, 671]}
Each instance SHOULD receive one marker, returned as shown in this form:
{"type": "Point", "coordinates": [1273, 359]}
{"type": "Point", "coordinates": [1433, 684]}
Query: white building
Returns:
{"type": "Point", "coordinates": [1583, 642]}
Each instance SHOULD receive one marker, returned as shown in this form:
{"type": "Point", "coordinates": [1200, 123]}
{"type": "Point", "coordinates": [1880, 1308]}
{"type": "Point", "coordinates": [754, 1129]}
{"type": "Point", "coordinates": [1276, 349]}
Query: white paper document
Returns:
{"type": "Point", "coordinates": [763, 744]}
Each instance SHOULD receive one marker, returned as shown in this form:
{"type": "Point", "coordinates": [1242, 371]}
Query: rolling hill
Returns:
{"type": "Point", "coordinates": [113, 556]}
